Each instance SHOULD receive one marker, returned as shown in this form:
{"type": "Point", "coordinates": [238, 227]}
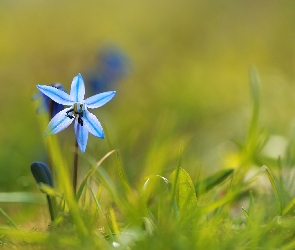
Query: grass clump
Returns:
{"type": "Point", "coordinates": [229, 209]}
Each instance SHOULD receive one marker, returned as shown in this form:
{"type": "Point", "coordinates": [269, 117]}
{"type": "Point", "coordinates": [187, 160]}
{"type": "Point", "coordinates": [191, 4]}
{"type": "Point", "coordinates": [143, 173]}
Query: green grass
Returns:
{"type": "Point", "coordinates": [168, 210]}
{"type": "Point", "coordinates": [189, 160]}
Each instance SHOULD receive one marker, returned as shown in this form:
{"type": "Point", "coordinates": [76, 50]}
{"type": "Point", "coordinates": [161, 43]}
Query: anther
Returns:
{"type": "Point", "coordinates": [69, 111]}
{"type": "Point", "coordinates": [80, 121]}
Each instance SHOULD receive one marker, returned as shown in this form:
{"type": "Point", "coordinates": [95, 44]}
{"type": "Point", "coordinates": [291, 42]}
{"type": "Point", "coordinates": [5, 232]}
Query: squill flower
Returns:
{"type": "Point", "coordinates": [111, 67]}
{"type": "Point", "coordinates": [42, 176]}
{"type": "Point", "coordinates": [84, 121]}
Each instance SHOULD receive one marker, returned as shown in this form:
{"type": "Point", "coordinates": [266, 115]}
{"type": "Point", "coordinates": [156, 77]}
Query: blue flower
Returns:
{"type": "Point", "coordinates": [84, 120]}
{"type": "Point", "coordinates": [111, 66]}
{"type": "Point", "coordinates": [41, 173]}
{"type": "Point", "coordinates": [48, 105]}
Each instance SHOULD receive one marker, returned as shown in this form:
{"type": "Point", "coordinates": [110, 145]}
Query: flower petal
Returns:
{"type": "Point", "coordinates": [59, 122]}
{"type": "Point", "coordinates": [81, 135]}
{"type": "Point", "coordinates": [92, 124]}
{"type": "Point", "coordinates": [77, 89]}
{"type": "Point", "coordinates": [99, 100]}
{"type": "Point", "coordinates": [55, 94]}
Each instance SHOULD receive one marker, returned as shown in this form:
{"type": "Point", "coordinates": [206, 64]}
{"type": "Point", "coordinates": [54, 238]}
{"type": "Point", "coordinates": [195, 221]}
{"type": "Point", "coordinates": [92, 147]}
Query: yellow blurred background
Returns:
{"type": "Point", "coordinates": [187, 80]}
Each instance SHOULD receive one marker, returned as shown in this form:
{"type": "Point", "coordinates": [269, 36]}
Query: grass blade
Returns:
{"type": "Point", "coordinates": [275, 190]}
{"type": "Point", "coordinates": [114, 222]}
{"type": "Point", "coordinates": [212, 181]}
{"type": "Point", "coordinates": [8, 218]}
{"type": "Point", "coordinates": [22, 197]}
{"type": "Point", "coordinates": [122, 174]}
{"type": "Point", "coordinates": [289, 206]}
{"type": "Point", "coordinates": [90, 172]}
{"type": "Point", "coordinates": [247, 215]}
{"type": "Point", "coordinates": [102, 215]}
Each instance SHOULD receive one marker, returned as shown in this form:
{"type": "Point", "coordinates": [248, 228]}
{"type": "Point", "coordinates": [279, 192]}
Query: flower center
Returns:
{"type": "Point", "coordinates": [77, 110]}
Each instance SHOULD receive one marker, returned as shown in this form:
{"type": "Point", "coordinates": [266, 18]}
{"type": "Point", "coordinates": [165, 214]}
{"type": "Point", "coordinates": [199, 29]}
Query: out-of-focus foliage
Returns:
{"type": "Point", "coordinates": [188, 81]}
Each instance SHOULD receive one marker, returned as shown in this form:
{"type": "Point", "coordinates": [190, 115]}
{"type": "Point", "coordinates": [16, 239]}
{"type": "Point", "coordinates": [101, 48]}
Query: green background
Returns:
{"type": "Point", "coordinates": [187, 85]}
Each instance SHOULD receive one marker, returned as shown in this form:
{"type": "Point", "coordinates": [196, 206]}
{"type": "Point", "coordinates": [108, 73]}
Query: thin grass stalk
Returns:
{"type": "Point", "coordinates": [63, 180]}
{"type": "Point", "coordinates": [275, 189]}
{"type": "Point", "coordinates": [8, 218]}
{"type": "Point", "coordinates": [173, 196]}
{"type": "Point", "coordinates": [99, 209]}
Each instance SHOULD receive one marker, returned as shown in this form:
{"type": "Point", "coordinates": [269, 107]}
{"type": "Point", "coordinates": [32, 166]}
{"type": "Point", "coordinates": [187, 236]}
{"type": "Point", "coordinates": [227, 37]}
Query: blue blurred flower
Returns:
{"type": "Point", "coordinates": [84, 120]}
{"type": "Point", "coordinates": [48, 105]}
{"type": "Point", "coordinates": [111, 66]}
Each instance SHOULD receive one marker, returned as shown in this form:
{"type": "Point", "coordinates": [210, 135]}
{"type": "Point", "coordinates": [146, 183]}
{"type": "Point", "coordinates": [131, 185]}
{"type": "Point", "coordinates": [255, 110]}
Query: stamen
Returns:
{"type": "Point", "coordinates": [80, 121]}
{"type": "Point", "coordinates": [76, 111]}
{"type": "Point", "coordinates": [69, 111]}
{"type": "Point", "coordinates": [70, 115]}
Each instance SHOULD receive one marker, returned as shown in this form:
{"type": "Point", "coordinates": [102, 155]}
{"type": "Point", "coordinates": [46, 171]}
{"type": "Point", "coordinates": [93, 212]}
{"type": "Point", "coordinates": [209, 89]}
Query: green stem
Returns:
{"type": "Point", "coordinates": [51, 208]}
{"type": "Point", "coordinates": [51, 203]}
{"type": "Point", "coordinates": [75, 171]}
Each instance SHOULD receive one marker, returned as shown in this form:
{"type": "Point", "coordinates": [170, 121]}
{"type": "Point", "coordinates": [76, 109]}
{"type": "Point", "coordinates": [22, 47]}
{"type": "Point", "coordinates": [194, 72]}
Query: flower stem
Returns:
{"type": "Point", "coordinates": [75, 171]}
{"type": "Point", "coordinates": [51, 206]}
{"type": "Point", "coordinates": [50, 117]}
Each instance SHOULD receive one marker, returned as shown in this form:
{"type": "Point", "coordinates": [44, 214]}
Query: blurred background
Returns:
{"type": "Point", "coordinates": [180, 69]}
